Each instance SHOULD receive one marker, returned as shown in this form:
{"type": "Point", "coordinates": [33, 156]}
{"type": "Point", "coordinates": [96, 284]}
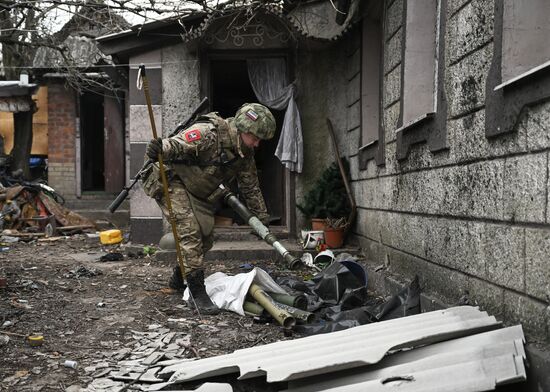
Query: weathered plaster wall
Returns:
{"type": "Point", "coordinates": [311, 68]}
{"type": "Point", "coordinates": [471, 220]}
{"type": "Point", "coordinates": [173, 74]}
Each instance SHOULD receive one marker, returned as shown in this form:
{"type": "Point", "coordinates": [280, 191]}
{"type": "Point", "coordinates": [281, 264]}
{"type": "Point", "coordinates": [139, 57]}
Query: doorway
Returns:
{"type": "Point", "coordinates": [92, 142]}
{"type": "Point", "coordinates": [229, 88]}
{"type": "Point", "coordinates": [102, 142]}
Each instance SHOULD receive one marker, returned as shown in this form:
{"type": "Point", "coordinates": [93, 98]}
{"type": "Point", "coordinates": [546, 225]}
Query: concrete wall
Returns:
{"type": "Point", "coordinates": [471, 219]}
{"type": "Point", "coordinates": [173, 74]}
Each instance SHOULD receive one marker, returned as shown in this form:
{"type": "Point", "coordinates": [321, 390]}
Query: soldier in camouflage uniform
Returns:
{"type": "Point", "coordinates": [210, 152]}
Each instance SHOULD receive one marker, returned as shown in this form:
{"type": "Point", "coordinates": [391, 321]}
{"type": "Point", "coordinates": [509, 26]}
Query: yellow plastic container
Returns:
{"type": "Point", "coordinates": [35, 340]}
{"type": "Point", "coordinates": [110, 237]}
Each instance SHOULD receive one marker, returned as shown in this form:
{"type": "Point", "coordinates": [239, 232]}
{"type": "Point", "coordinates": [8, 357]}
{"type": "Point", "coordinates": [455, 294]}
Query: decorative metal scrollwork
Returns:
{"type": "Point", "coordinates": [240, 30]}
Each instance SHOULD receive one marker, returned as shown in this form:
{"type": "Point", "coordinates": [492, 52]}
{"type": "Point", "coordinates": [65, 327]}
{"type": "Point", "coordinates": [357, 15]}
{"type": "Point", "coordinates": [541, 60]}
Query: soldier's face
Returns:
{"type": "Point", "coordinates": [250, 140]}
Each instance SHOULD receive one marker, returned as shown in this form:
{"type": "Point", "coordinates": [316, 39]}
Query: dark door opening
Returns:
{"type": "Point", "coordinates": [91, 142]}
{"type": "Point", "coordinates": [230, 88]}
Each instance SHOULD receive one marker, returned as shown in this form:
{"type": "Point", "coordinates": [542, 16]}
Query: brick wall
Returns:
{"type": "Point", "coordinates": [61, 139]}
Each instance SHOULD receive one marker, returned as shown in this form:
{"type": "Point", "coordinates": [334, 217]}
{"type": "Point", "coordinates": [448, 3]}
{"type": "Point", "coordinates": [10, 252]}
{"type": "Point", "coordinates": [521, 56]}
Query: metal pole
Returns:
{"type": "Point", "coordinates": [165, 181]}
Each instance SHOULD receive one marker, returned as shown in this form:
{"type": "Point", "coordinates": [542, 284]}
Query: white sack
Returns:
{"type": "Point", "coordinates": [229, 291]}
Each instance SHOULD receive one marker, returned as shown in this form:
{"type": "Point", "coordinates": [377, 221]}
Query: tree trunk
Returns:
{"type": "Point", "coordinates": [22, 142]}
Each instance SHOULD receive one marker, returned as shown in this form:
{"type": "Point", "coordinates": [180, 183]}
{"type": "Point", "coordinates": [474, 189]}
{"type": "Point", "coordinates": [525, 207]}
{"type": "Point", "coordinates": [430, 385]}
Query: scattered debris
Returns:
{"type": "Point", "coordinates": [4, 340]}
{"type": "Point", "coordinates": [83, 272]}
{"type": "Point", "coordinates": [70, 364]}
{"type": "Point", "coordinates": [35, 340]}
{"type": "Point", "coordinates": [113, 256]}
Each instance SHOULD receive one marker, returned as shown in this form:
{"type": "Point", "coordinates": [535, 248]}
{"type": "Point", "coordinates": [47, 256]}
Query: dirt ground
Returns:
{"type": "Point", "coordinates": [86, 309]}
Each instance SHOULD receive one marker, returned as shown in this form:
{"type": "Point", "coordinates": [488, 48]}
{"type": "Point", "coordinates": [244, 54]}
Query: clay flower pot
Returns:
{"type": "Point", "coordinates": [318, 224]}
{"type": "Point", "coordinates": [334, 238]}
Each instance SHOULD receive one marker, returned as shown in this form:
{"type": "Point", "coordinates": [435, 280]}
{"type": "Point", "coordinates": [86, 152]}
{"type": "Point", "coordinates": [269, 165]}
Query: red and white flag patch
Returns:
{"type": "Point", "coordinates": [192, 135]}
{"type": "Point", "coordinates": [251, 114]}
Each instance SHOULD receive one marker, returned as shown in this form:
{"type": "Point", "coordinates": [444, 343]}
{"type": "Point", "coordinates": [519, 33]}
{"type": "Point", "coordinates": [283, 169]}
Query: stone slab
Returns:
{"type": "Point", "coordinates": [391, 120]}
{"type": "Point", "coordinates": [536, 122]}
{"type": "Point", "coordinates": [469, 191]}
{"type": "Point", "coordinates": [137, 157]}
{"type": "Point", "coordinates": [503, 249]}
{"type": "Point", "coordinates": [487, 296]}
{"type": "Point", "coordinates": [353, 91]}
{"type": "Point", "coordinates": [532, 314]}
{"type": "Point", "coordinates": [142, 205]}
{"type": "Point", "coordinates": [394, 18]}
{"type": "Point", "coordinates": [465, 82]}
{"type": "Point", "coordinates": [353, 64]}
{"type": "Point", "coordinates": [140, 124]}
{"type": "Point", "coordinates": [368, 223]}
{"type": "Point", "coordinates": [146, 230]}
{"type": "Point", "coordinates": [354, 116]}
{"type": "Point", "coordinates": [137, 97]}
{"type": "Point", "coordinates": [450, 285]}
{"type": "Point", "coordinates": [392, 86]}
{"type": "Point", "coordinates": [181, 89]}
{"type": "Point", "coordinates": [392, 52]}
{"type": "Point", "coordinates": [525, 188]}
{"type": "Point", "coordinates": [454, 5]}
{"type": "Point", "coordinates": [469, 29]}
{"type": "Point", "coordinates": [537, 271]}
{"type": "Point", "coordinates": [468, 141]}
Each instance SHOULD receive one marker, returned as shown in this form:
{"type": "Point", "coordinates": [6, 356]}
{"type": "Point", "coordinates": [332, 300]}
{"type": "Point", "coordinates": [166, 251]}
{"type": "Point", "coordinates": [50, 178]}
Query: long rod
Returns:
{"type": "Point", "coordinates": [347, 185]}
{"type": "Point", "coordinates": [165, 183]}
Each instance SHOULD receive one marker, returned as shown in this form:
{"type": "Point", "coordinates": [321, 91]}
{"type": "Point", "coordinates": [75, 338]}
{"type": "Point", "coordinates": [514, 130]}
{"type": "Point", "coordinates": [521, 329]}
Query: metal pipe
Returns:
{"type": "Point", "coordinates": [233, 201]}
{"type": "Point", "coordinates": [280, 315]}
{"type": "Point", "coordinates": [298, 314]}
{"type": "Point", "coordinates": [297, 301]}
{"type": "Point", "coordinates": [252, 308]}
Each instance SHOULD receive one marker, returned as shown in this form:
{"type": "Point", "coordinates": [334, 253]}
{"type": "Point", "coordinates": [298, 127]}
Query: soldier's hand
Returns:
{"type": "Point", "coordinates": [154, 149]}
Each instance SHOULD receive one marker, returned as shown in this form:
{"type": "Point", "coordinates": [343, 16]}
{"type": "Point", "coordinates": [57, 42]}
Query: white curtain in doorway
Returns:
{"type": "Point", "coordinates": [269, 81]}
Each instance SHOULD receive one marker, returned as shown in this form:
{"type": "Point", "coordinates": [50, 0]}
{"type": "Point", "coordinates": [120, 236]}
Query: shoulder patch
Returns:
{"type": "Point", "coordinates": [192, 135]}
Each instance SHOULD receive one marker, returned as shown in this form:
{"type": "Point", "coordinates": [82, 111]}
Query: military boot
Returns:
{"type": "Point", "coordinates": [176, 281]}
{"type": "Point", "coordinates": [195, 281]}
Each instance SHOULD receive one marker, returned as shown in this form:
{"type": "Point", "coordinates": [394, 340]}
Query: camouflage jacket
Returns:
{"type": "Point", "coordinates": [209, 153]}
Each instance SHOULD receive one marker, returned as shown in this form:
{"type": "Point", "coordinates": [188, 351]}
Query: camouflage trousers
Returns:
{"type": "Point", "coordinates": [194, 223]}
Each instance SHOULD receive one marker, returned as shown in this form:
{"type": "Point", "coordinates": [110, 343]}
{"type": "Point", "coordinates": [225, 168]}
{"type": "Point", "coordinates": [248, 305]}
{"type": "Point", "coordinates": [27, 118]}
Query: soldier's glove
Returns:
{"type": "Point", "coordinates": [154, 149]}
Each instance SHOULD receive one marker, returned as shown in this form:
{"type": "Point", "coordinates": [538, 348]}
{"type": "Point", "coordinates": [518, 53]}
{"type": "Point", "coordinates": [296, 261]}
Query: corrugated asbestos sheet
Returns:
{"type": "Point", "coordinates": [463, 350]}
{"type": "Point", "coordinates": [475, 363]}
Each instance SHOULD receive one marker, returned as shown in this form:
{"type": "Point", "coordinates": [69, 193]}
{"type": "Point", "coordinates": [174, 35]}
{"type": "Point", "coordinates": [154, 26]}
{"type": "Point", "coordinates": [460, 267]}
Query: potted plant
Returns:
{"type": "Point", "coordinates": [327, 198]}
{"type": "Point", "coordinates": [334, 231]}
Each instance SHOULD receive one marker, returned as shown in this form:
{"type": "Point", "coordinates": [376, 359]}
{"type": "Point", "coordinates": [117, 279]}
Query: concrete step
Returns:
{"type": "Point", "coordinates": [244, 233]}
{"type": "Point", "coordinates": [120, 219]}
{"type": "Point", "coordinates": [249, 251]}
{"type": "Point", "coordinates": [94, 204]}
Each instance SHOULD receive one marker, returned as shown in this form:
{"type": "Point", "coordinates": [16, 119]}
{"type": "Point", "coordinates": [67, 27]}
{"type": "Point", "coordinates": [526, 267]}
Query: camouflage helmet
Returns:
{"type": "Point", "coordinates": [255, 119]}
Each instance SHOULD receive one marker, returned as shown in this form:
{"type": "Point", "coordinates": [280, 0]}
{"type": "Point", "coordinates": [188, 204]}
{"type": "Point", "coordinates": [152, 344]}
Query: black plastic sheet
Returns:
{"type": "Point", "coordinates": [338, 297]}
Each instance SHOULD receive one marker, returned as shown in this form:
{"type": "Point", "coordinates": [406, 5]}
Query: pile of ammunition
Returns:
{"type": "Point", "coordinates": [285, 309]}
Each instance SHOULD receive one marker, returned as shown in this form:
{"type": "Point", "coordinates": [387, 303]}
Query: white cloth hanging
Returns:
{"type": "Point", "coordinates": [270, 84]}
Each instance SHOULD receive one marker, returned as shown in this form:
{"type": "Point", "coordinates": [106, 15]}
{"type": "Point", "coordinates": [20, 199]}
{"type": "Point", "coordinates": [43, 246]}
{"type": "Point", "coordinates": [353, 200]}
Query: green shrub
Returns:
{"type": "Point", "coordinates": [328, 197]}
